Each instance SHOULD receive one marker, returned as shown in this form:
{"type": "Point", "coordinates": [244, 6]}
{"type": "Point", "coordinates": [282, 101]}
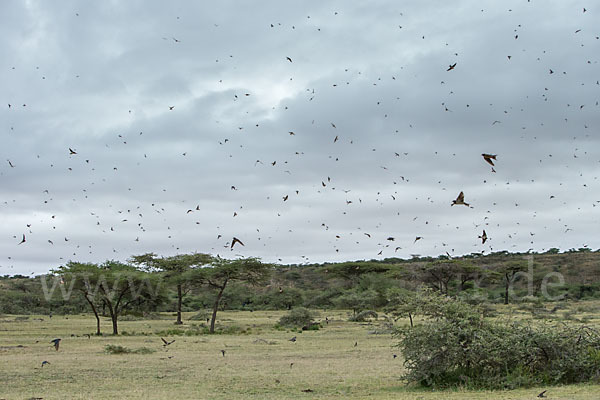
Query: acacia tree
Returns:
{"type": "Point", "coordinates": [357, 301]}
{"type": "Point", "coordinates": [174, 269]}
{"type": "Point", "coordinates": [79, 277]}
{"type": "Point", "coordinates": [116, 285]}
{"type": "Point", "coordinates": [438, 274]}
{"type": "Point", "coordinates": [508, 274]}
{"type": "Point", "coordinates": [222, 271]}
{"type": "Point", "coordinates": [466, 272]}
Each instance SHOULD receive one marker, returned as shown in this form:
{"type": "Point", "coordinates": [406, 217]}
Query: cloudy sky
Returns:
{"type": "Point", "coordinates": [312, 131]}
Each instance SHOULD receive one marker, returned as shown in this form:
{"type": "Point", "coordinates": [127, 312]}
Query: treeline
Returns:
{"type": "Point", "coordinates": [192, 282]}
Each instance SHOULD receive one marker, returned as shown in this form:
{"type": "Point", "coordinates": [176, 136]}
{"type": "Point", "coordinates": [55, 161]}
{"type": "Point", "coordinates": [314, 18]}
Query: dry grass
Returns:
{"type": "Point", "coordinates": [324, 361]}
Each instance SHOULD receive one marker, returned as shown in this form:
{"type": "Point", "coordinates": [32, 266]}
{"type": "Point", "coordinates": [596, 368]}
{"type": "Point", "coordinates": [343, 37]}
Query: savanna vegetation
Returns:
{"type": "Point", "coordinates": [468, 324]}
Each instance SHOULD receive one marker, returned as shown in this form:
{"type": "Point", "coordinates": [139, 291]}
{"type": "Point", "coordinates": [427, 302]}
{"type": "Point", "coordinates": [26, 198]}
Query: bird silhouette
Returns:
{"type": "Point", "coordinates": [167, 343]}
{"type": "Point", "coordinates": [483, 237]}
{"type": "Point", "coordinates": [451, 67]}
{"type": "Point", "coordinates": [234, 241]}
{"type": "Point", "coordinates": [488, 158]}
{"type": "Point", "coordinates": [56, 343]}
{"type": "Point", "coordinates": [22, 240]}
{"type": "Point", "coordinates": [71, 151]}
{"type": "Point", "coordinates": [460, 200]}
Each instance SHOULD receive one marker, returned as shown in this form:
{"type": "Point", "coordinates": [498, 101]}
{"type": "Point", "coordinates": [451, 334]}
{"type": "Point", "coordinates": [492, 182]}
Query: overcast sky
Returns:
{"type": "Point", "coordinates": [192, 121]}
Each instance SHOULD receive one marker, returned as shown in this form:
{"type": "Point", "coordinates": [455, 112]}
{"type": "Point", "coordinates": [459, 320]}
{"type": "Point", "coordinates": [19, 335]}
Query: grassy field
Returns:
{"type": "Point", "coordinates": [261, 363]}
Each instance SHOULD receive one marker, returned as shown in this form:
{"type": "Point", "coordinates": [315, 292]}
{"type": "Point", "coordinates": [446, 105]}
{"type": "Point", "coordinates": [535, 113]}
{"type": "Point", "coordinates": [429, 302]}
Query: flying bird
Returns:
{"type": "Point", "coordinates": [56, 343]}
{"type": "Point", "coordinates": [22, 240]}
{"type": "Point", "coordinates": [236, 240]}
{"type": "Point", "coordinates": [451, 67]}
{"type": "Point", "coordinates": [417, 238]}
{"type": "Point", "coordinates": [167, 343]}
{"type": "Point", "coordinates": [289, 59]}
{"type": "Point", "coordinates": [483, 237]}
{"type": "Point", "coordinates": [460, 200]}
{"type": "Point", "coordinates": [488, 158]}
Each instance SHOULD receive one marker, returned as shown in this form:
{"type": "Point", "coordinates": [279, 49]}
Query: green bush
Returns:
{"type": "Point", "coordinates": [363, 316]}
{"type": "Point", "coordinates": [116, 349]}
{"type": "Point", "coordinates": [297, 317]}
{"type": "Point", "coordinates": [200, 316]}
{"type": "Point", "coordinates": [457, 346]}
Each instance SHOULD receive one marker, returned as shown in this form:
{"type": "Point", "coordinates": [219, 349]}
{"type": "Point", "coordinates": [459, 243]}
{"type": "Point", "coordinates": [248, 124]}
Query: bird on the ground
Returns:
{"type": "Point", "coordinates": [56, 343]}
{"type": "Point", "coordinates": [166, 343]}
{"type": "Point", "coordinates": [488, 158]}
{"type": "Point", "coordinates": [460, 200]}
{"type": "Point", "coordinates": [293, 339]}
{"type": "Point", "coordinates": [223, 352]}
{"type": "Point", "coordinates": [44, 363]}
{"type": "Point", "coordinates": [543, 394]}
{"type": "Point", "coordinates": [236, 240]}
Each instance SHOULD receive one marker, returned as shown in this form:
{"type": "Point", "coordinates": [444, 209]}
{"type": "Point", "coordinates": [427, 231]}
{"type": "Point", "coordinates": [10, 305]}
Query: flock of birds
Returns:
{"type": "Point", "coordinates": [289, 207]}
{"type": "Point", "coordinates": [335, 167]}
